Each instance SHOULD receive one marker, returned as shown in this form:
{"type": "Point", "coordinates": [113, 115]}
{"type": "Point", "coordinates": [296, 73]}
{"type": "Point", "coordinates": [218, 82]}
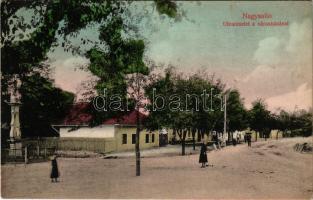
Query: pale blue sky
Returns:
{"type": "Point", "coordinates": [269, 62]}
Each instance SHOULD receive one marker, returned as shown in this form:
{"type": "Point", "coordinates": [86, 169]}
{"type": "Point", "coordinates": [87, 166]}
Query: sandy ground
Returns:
{"type": "Point", "coordinates": [270, 169]}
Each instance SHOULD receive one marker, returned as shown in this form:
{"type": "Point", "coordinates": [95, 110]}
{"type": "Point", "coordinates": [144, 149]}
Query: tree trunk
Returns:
{"type": "Point", "coordinates": [183, 142]}
{"type": "Point", "coordinates": [193, 138]}
{"type": "Point", "coordinates": [277, 135]}
{"type": "Point", "coordinates": [174, 136]}
{"type": "Point", "coordinates": [198, 135]}
{"type": "Point", "coordinates": [256, 136]}
{"type": "Point", "coordinates": [179, 132]}
{"type": "Point", "coordinates": [137, 144]}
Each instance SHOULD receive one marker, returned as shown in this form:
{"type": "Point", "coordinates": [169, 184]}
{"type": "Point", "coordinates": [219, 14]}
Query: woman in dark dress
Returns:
{"type": "Point", "coordinates": [54, 170]}
{"type": "Point", "coordinates": [203, 159]}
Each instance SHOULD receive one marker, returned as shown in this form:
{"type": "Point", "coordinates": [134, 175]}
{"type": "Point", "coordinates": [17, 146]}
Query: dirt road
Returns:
{"type": "Point", "coordinates": [269, 169]}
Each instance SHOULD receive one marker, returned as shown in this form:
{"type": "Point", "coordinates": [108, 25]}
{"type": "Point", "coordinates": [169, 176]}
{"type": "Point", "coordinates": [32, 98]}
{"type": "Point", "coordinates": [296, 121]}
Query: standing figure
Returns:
{"type": "Point", "coordinates": [234, 141]}
{"type": "Point", "coordinates": [249, 140]}
{"type": "Point", "coordinates": [203, 158]}
{"type": "Point", "coordinates": [215, 139]}
{"type": "Point", "coordinates": [54, 170]}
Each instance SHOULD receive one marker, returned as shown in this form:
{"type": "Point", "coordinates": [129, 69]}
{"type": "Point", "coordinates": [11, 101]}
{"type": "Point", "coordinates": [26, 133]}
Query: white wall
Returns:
{"type": "Point", "coordinates": [103, 131]}
{"type": "Point", "coordinates": [241, 134]}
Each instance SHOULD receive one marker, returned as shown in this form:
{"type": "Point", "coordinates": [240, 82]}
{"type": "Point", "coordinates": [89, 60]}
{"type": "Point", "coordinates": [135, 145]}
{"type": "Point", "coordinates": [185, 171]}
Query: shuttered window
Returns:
{"type": "Point", "coordinates": [124, 140]}
{"type": "Point", "coordinates": [133, 138]}
{"type": "Point", "coordinates": [147, 138]}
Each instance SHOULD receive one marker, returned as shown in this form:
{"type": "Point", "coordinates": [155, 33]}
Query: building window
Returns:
{"type": "Point", "coordinates": [152, 138]}
{"type": "Point", "coordinates": [124, 139]}
{"type": "Point", "coordinates": [133, 138]}
{"type": "Point", "coordinates": [147, 138]}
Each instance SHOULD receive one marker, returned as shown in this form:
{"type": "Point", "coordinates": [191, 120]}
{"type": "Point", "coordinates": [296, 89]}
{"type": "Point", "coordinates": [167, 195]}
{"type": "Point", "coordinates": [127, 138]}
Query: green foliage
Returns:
{"type": "Point", "coordinates": [42, 105]}
{"type": "Point", "coordinates": [298, 123]}
{"type": "Point", "coordinates": [166, 7]}
{"type": "Point", "coordinates": [188, 113]}
{"type": "Point", "coordinates": [124, 57]}
{"type": "Point", "coordinates": [295, 123]}
{"type": "Point", "coordinates": [236, 112]}
{"type": "Point", "coordinates": [24, 56]}
{"type": "Point", "coordinates": [25, 45]}
{"type": "Point", "coordinates": [259, 117]}
{"type": "Point", "coordinates": [121, 58]}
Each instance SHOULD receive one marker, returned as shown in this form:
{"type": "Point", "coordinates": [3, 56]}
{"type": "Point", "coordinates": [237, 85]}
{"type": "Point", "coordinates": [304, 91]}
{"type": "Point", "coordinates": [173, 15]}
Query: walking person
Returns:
{"type": "Point", "coordinates": [203, 158]}
{"type": "Point", "coordinates": [54, 169]}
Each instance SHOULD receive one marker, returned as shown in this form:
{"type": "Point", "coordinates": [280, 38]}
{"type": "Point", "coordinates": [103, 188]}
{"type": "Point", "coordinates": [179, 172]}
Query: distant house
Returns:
{"type": "Point", "coordinates": [174, 137]}
{"type": "Point", "coordinates": [113, 135]}
{"type": "Point", "coordinates": [208, 137]}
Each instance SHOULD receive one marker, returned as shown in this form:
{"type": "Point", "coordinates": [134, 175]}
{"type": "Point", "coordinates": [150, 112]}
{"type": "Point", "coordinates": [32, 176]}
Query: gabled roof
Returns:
{"type": "Point", "coordinates": [79, 115]}
{"type": "Point", "coordinates": [128, 119]}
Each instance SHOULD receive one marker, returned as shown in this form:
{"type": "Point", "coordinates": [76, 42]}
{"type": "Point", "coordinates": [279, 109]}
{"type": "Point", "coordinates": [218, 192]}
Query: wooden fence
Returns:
{"type": "Point", "coordinates": [99, 145]}
{"type": "Point", "coordinates": [43, 148]}
{"type": "Point", "coordinates": [26, 154]}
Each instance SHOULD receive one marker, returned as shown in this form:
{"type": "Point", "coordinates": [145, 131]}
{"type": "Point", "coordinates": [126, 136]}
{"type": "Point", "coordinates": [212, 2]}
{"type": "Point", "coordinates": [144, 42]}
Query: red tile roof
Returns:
{"type": "Point", "coordinates": [128, 119]}
{"type": "Point", "coordinates": [79, 115]}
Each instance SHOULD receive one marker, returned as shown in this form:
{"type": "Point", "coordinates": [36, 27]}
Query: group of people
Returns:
{"type": "Point", "coordinates": [203, 158]}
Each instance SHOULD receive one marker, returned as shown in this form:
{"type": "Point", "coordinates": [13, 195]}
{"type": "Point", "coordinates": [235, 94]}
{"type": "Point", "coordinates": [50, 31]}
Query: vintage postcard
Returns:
{"type": "Point", "coordinates": [156, 99]}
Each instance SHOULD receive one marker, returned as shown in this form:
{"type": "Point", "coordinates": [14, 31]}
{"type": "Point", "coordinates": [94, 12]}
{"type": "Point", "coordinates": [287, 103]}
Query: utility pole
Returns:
{"type": "Point", "coordinates": [225, 115]}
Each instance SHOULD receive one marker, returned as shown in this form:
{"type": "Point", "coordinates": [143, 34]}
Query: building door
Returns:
{"type": "Point", "coordinates": [163, 141]}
